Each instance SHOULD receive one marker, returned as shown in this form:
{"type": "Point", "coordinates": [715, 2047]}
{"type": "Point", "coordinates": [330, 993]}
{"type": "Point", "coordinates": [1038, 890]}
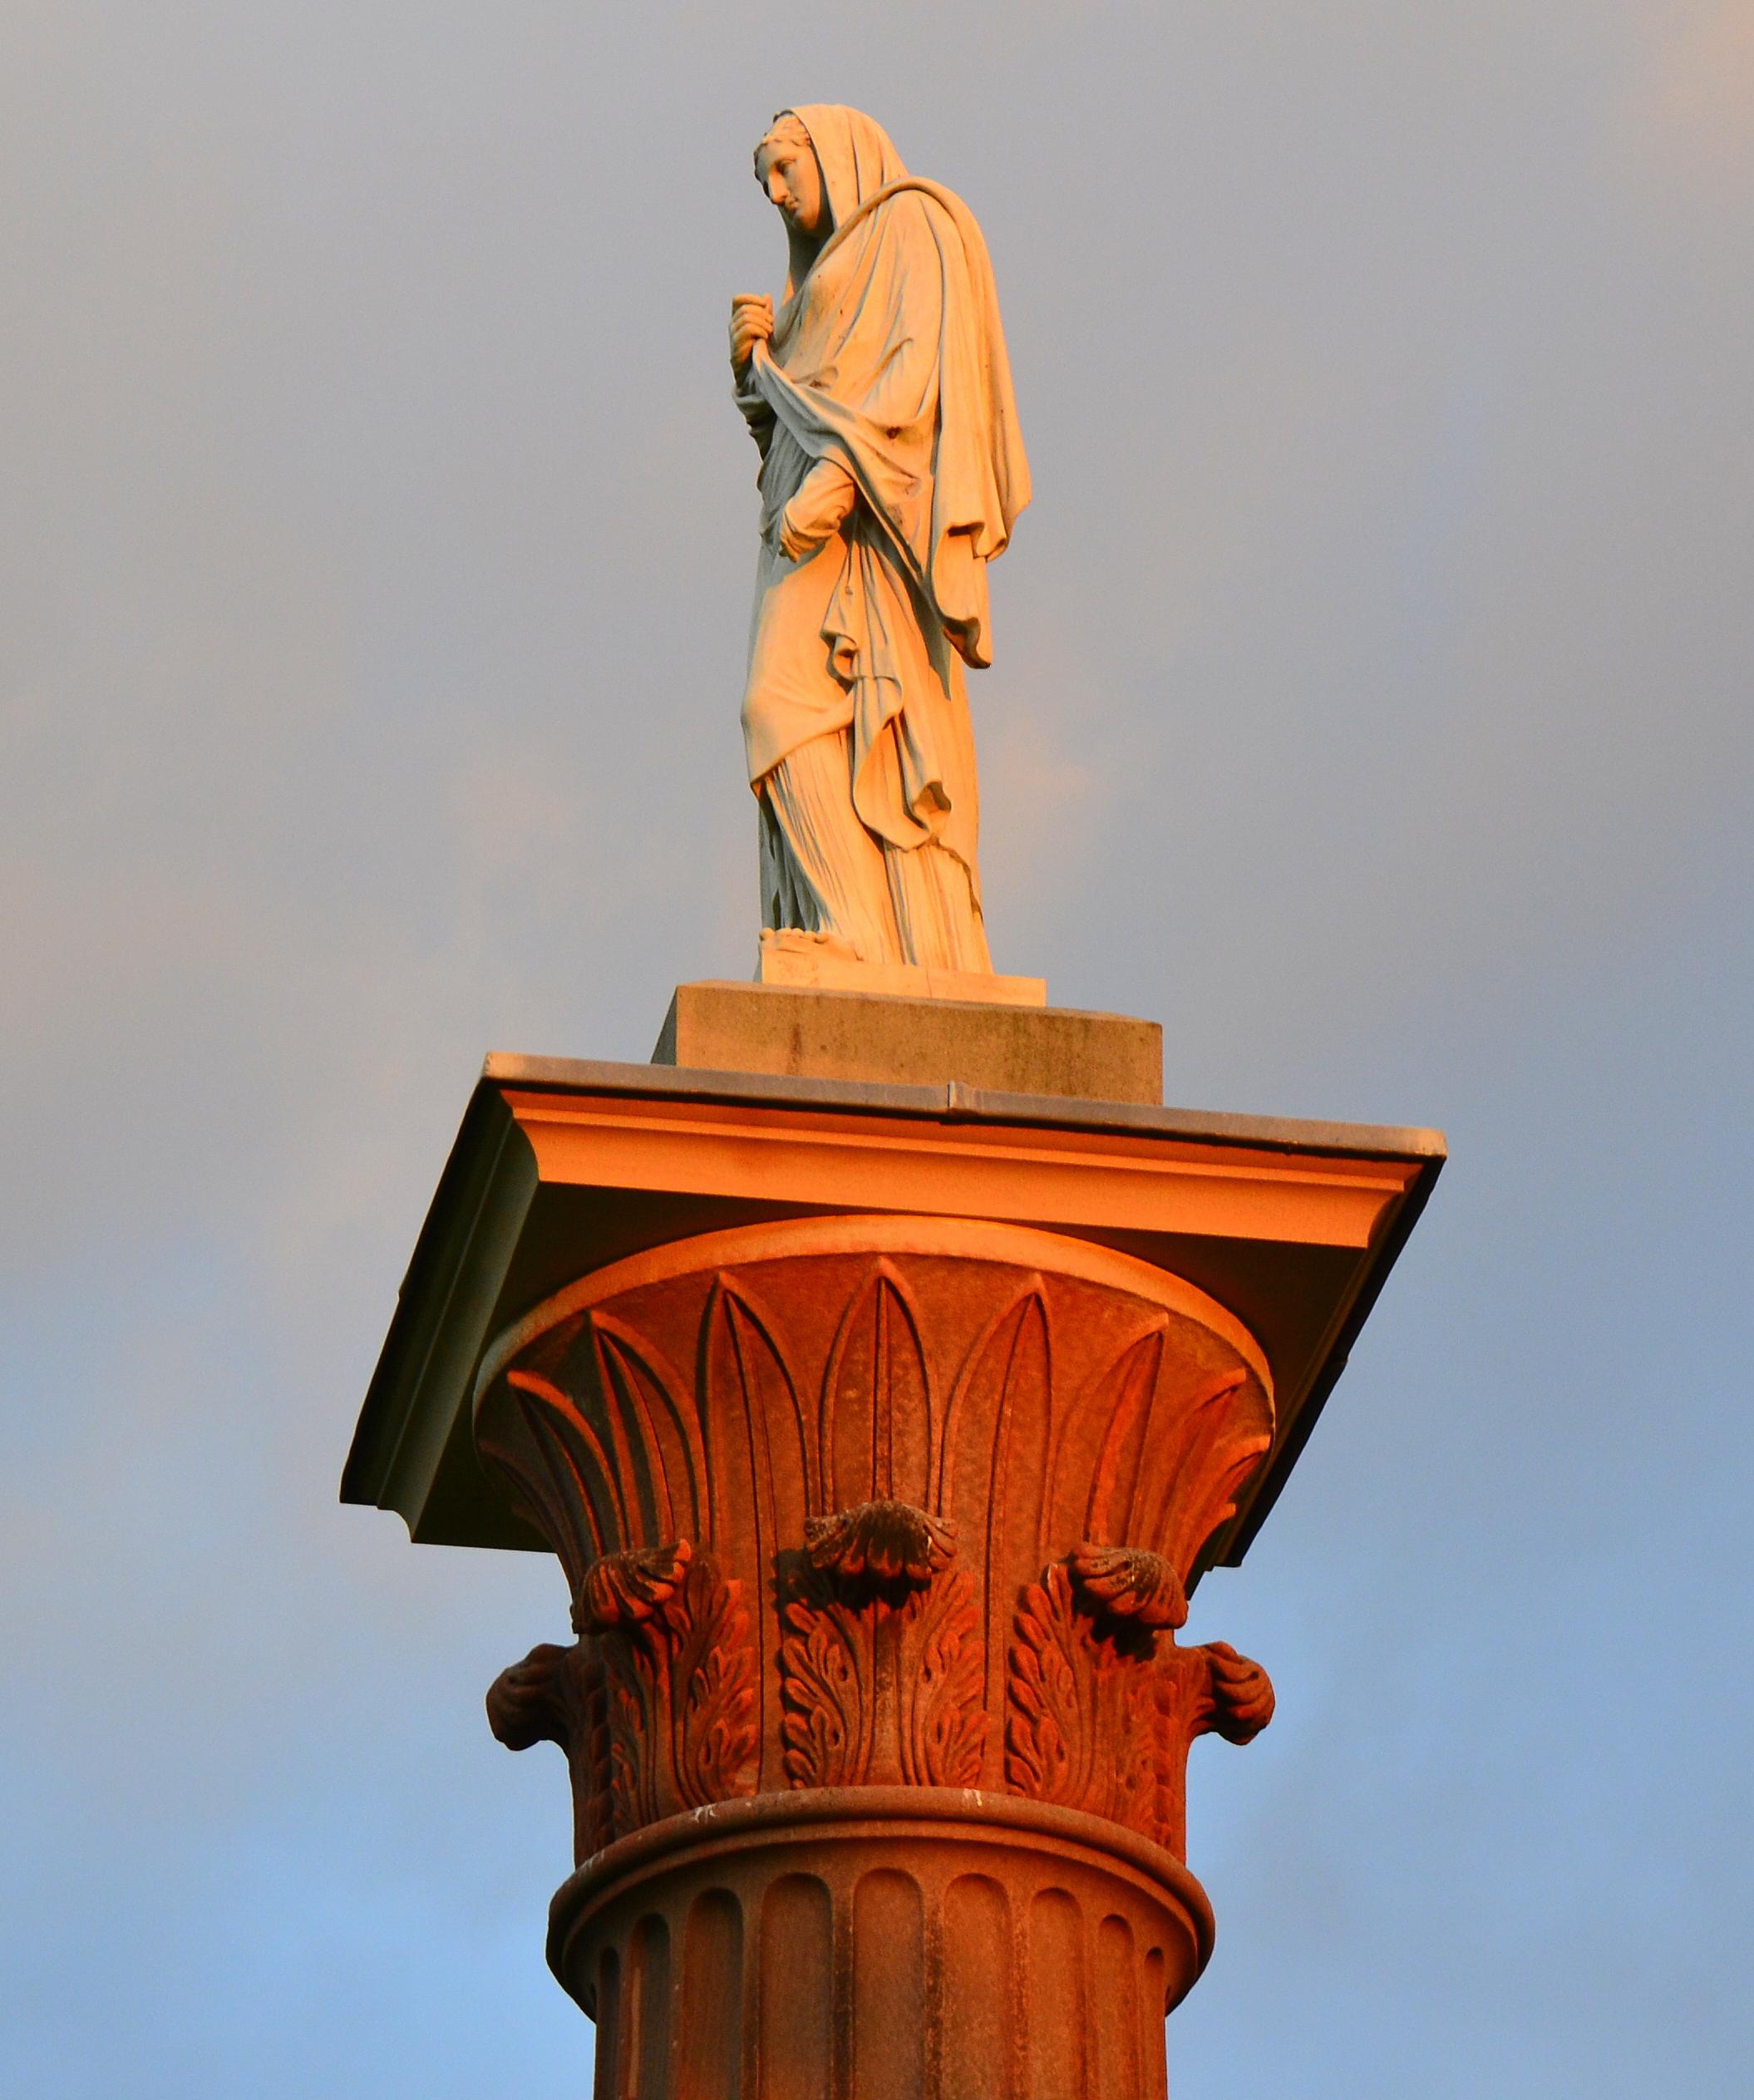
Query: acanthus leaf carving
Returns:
{"type": "Point", "coordinates": [682, 1694]}
{"type": "Point", "coordinates": [730, 1628]}
{"type": "Point", "coordinates": [717, 1747]}
{"type": "Point", "coordinates": [1103, 1705]}
{"type": "Point", "coordinates": [944, 1726]}
{"type": "Point", "coordinates": [1078, 1731]}
{"type": "Point", "coordinates": [882, 1665]}
{"type": "Point", "coordinates": [824, 1726]}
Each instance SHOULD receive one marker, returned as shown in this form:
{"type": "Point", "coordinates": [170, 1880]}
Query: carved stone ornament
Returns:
{"type": "Point", "coordinates": [1104, 1708]}
{"type": "Point", "coordinates": [806, 1479]}
{"type": "Point", "coordinates": [881, 1542]}
{"type": "Point", "coordinates": [881, 1663]}
{"type": "Point", "coordinates": [878, 1530]}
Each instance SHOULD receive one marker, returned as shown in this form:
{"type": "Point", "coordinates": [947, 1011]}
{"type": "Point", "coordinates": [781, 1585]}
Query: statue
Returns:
{"type": "Point", "coordinates": [892, 470]}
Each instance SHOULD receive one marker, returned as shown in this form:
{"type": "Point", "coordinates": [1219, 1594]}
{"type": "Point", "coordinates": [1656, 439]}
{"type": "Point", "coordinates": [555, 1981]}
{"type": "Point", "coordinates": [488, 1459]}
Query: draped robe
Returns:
{"type": "Point", "coordinates": [885, 411]}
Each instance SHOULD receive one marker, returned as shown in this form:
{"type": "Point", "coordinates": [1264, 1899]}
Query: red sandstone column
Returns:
{"type": "Point", "coordinates": [878, 1530]}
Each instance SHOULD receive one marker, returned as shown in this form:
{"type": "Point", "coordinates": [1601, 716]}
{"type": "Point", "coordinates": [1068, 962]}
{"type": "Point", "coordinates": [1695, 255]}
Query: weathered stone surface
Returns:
{"type": "Point", "coordinates": [880, 1943]}
{"type": "Point", "coordinates": [719, 1025]}
{"type": "Point", "coordinates": [878, 1501]}
{"type": "Point", "coordinates": [562, 1167]}
{"type": "Point", "coordinates": [879, 1505]}
{"type": "Point", "coordinates": [878, 1532]}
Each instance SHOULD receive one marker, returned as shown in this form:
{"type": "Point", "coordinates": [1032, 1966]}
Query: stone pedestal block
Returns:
{"type": "Point", "coordinates": [720, 1026]}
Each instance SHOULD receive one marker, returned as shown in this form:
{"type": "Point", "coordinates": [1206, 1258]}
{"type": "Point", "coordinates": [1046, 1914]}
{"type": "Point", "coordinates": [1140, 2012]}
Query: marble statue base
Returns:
{"type": "Point", "coordinates": [800, 1032]}
{"type": "Point", "coordinates": [816, 963]}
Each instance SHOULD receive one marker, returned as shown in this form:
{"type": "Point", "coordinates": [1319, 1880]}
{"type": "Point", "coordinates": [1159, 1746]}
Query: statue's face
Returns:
{"type": "Point", "coordinates": [793, 181]}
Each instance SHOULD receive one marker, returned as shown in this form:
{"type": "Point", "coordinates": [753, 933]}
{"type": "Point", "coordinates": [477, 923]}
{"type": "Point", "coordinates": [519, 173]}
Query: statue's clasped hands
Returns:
{"type": "Point", "coordinates": [828, 493]}
{"type": "Point", "coordinates": [752, 322]}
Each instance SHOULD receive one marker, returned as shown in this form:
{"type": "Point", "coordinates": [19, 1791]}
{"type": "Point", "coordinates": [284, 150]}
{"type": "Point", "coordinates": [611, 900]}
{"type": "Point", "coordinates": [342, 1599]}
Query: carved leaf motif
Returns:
{"type": "Point", "coordinates": [893, 1666]}
{"type": "Point", "coordinates": [1079, 1729]}
{"type": "Point", "coordinates": [944, 1730]}
{"type": "Point", "coordinates": [717, 1747]}
{"type": "Point", "coordinates": [1174, 1457]}
{"type": "Point", "coordinates": [757, 1460]}
{"type": "Point", "coordinates": [1216, 1446]}
{"type": "Point", "coordinates": [588, 1467]}
{"type": "Point", "coordinates": [594, 1816]}
{"type": "Point", "coordinates": [884, 1692]}
{"type": "Point", "coordinates": [683, 1701]}
{"type": "Point", "coordinates": [632, 1728]}
{"type": "Point", "coordinates": [652, 1430]}
{"type": "Point", "coordinates": [558, 1472]}
{"type": "Point", "coordinates": [635, 1726]}
{"type": "Point", "coordinates": [879, 1422]}
{"type": "Point", "coordinates": [825, 1708]}
{"type": "Point", "coordinates": [1102, 1711]}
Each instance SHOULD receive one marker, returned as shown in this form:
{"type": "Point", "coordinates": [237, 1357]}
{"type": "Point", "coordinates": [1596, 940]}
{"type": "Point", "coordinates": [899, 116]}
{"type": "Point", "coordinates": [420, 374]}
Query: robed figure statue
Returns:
{"type": "Point", "coordinates": [892, 469]}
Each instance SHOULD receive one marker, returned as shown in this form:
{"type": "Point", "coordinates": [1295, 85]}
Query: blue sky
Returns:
{"type": "Point", "coordinates": [1371, 705]}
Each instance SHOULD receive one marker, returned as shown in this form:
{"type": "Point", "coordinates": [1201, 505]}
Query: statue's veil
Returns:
{"type": "Point", "coordinates": [854, 151]}
{"type": "Point", "coordinates": [950, 508]}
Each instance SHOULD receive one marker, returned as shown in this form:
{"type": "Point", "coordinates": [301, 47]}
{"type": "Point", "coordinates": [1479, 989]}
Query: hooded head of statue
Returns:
{"type": "Point", "coordinates": [889, 355]}
{"type": "Point", "coordinates": [853, 155]}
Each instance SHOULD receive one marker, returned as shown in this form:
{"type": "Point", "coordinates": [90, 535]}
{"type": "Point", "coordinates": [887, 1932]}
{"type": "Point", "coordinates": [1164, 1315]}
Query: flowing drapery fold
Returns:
{"type": "Point", "coordinates": [887, 364]}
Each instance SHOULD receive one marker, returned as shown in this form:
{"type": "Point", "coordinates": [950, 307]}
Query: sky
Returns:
{"type": "Point", "coordinates": [1371, 706]}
